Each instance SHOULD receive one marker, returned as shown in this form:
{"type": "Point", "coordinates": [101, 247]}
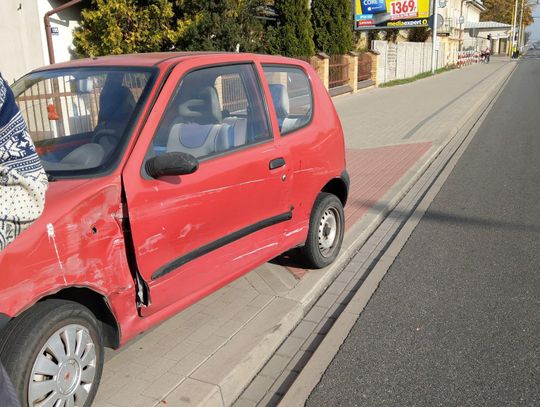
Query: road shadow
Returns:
{"type": "Point", "coordinates": [453, 218]}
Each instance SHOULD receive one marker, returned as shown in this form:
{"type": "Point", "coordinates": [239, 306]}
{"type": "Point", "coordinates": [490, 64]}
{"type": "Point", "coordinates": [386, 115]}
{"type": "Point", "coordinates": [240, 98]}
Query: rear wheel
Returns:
{"type": "Point", "coordinates": [326, 228]}
{"type": "Point", "coordinates": [54, 355]}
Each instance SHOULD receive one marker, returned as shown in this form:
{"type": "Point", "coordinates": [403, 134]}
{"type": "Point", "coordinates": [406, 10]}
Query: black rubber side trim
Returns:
{"type": "Point", "coordinates": [4, 319]}
{"type": "Point", "coordinates": [201, 251]}
{"type": "Point", "coordinates": [346, 179]}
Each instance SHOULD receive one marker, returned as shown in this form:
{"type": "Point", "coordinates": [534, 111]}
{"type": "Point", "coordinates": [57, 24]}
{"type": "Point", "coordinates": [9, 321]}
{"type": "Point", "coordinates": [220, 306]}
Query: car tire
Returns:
{"type": "Point", "coordinates": [54, 351]}
{"type": "Point", "coordinates": [325, 235]}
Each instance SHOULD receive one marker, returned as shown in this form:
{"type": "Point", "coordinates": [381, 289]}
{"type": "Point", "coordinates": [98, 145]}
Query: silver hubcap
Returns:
{"type": "Point", "coordinates": [65, 369]}
{"type": "Point", "coordinates": [328, 231]}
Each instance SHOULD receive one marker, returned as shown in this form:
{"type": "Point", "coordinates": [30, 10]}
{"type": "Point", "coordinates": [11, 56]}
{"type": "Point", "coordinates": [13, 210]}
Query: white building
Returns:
{"type": "Point", "coordinates": [463, 30]}
{"type": "Point", "coordinates": [487, 34]}
{"type": "Point", "coordinates": [23, 43]}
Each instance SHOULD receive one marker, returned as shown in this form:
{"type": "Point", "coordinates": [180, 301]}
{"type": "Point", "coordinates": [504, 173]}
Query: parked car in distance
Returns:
{"type": "Point", "coordinates": [171, 174]}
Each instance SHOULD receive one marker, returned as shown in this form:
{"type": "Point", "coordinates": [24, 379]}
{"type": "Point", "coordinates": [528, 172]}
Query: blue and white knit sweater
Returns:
{"type": "Point", "coordinates": [23, 181]}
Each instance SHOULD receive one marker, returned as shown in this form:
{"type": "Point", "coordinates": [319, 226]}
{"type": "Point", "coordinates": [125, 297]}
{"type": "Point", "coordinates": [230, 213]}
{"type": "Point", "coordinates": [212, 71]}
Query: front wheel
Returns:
{"type": "Point", "coordinates": [54, 355]}
{"type": "Point", "coordinates": [326, 228]}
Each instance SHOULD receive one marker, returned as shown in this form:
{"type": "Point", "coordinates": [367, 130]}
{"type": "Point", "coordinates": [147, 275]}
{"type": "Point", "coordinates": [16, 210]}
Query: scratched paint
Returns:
{"type": "Point", "coordinates": [259, 249]}
{"type": "Point", "coordinates": [52, 238]}
{"type": "Point", "coordinates": [77, 242]}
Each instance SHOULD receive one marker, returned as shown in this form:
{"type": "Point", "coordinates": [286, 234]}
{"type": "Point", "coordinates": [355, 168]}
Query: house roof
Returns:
{"type": "Point", "coordinates": [486, 25]}
{"type": "Point", "coordinates": [477, 3]}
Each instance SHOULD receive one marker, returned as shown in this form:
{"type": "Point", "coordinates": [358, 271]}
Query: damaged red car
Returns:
{"type": "Point", "coordinates": [170, 175]}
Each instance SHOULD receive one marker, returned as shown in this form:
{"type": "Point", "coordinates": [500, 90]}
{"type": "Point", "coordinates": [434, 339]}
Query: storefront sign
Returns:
{"type": "Point", "coordinates": [370, 14]}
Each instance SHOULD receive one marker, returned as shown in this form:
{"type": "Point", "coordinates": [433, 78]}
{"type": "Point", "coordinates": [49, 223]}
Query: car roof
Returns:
{"type": "Point", "coordinates": [152, 59]}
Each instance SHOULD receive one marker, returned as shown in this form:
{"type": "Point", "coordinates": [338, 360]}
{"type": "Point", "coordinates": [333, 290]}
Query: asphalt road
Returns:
{"type": "Point", "coordinates": [456, 320]}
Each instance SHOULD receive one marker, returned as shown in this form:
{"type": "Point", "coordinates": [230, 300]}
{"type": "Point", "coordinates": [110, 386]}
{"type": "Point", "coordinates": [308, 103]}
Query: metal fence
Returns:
{"type": "Point", "coordinates": [55, 108]}
{"type": "Point", "coordinates": [339, 71]}
{"type": "Point", "coordinates": [364, 67]}
{"type": "Point", "coordinates": [51, 108]}
{"type": "Point", "coordinates": [232, 93]}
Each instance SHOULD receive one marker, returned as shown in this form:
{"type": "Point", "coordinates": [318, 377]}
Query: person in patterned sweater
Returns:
{"type": "Point", "coordinates": [23, 184]}
{"type": "Point", "coordinates": [23, 181]}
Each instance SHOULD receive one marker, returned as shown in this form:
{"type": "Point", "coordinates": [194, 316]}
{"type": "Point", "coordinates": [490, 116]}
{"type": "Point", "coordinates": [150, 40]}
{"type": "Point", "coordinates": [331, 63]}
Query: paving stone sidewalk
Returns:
{"type": "Point", "coordinates": [208, 354]}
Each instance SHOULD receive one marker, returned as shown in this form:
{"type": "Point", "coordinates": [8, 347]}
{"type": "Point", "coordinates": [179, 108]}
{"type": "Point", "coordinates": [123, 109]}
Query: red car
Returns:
{"type": "Point", "coordinates": [170, 175]}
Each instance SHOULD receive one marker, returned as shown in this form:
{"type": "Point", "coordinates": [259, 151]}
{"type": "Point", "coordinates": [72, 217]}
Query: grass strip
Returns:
{"type": "Point", "coordinates": [415, 78]}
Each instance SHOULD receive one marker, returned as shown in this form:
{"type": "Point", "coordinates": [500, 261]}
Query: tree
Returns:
{"type": "Point", "coordinates": [418, 34]}
{"type": "Point", "coordinates": [125, 26]}
{"type": "Point", "coordinates": [293, 34]}
{"type": "Point", "coordinates": [219, 25]}
{"type": "Point", "coordinates": [332, 23]}
{"type": "Point", "coordinates": [502, 11]}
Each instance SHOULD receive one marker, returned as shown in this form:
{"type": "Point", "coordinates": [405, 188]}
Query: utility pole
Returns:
{"type": "Point", "coordinates": [434, 38]}
{"type": "Point", "coordinates": [520, 36]}
{"type": "Point", "coordinates": [514, 21]}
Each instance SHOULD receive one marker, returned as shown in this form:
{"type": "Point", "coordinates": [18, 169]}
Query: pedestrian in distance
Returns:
{"type": "Point", "coordinates": [515, 52]}
{"type": "Point", "coordinates": [23, 184]}
{"type": "Point", "coordinates": [485, 56]}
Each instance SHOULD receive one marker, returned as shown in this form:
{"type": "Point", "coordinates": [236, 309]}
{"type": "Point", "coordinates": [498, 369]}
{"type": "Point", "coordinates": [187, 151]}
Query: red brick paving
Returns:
{"type": "Point", "coordinates": [373, 172]}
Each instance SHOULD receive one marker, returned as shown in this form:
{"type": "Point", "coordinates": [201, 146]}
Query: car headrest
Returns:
{"type": "Point", "coordinates": [280, 97]}
{"type": "Point", "coordinates": [204, 109]}
{"type": "Point", "coordinates": [115, 103]}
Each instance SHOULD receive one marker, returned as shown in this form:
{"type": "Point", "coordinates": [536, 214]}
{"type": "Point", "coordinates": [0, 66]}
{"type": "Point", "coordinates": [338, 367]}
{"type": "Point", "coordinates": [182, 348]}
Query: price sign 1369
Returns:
{"type": "Point", "coordinates": [405, 8]}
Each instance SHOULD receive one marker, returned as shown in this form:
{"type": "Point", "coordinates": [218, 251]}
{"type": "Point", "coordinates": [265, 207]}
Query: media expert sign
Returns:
{"type": "Point", "coordinates": [391, 14]}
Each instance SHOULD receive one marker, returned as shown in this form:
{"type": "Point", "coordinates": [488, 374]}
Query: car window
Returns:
{"type": "Point", "coordinates": [214, 110]}
{"type": "Point", "coordinates": [291, 96]}
{"type": "Point", "coordinates": [78, 117]}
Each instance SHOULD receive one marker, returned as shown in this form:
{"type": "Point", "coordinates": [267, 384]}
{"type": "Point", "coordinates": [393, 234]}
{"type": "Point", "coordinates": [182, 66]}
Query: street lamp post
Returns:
{"type": "Point", "coordinates": [461, 21]}
{"type": "Point", "coordinates": [514, 21]}
{"type": "Point", "coordinates": [434, 38]}
{"type": "Point", "coordinates": [520, 25]}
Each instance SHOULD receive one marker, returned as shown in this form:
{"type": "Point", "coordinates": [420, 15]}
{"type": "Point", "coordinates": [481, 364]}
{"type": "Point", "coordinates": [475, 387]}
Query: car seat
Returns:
{"type": "Point", "coordinates": [280, 97]}
{"type": "Point", "coordinates": [116, 105]}
{"type": "Point", "coordinates": [200, 131]}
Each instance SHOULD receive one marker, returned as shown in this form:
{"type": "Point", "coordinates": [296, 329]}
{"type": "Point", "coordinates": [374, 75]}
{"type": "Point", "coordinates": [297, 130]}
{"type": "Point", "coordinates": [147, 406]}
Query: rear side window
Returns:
{"type": "Point", "coordinates": [214, 110]}
{"type": "Point", "coordinates": [291, 96]}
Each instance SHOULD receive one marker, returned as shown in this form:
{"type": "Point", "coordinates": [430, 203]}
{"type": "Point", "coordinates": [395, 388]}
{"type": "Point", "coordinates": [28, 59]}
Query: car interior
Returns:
{"type": "Point", "coordinates": [198, 121]}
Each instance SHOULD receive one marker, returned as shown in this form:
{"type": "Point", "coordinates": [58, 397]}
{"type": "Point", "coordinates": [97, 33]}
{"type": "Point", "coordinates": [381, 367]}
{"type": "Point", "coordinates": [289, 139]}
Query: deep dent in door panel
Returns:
{"type": "Point", "coordinates": [83, 248]}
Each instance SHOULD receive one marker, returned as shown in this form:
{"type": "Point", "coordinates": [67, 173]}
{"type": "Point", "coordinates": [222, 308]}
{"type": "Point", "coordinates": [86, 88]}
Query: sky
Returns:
{"type": "Point", "coordinates": [534, 28]}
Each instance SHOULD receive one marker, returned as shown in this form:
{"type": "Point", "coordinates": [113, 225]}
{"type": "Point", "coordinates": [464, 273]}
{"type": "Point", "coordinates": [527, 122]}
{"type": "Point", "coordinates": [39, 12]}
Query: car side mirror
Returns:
{"type": "Point", "coordinates": [173, 163]}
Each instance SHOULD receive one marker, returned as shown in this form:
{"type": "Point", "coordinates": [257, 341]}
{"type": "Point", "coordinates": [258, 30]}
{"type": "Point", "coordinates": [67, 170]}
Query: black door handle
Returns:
{"type": "Point", "coordinates": [276, 163]}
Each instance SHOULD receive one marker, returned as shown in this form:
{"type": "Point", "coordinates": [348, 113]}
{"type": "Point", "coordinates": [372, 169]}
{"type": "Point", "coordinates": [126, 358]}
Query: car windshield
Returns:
{"type": "Point", "coordinates": [79, 119]}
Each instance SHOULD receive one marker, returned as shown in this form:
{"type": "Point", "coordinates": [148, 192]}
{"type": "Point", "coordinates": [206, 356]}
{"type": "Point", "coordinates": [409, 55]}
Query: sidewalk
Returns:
{"type": "Point", "coordinates": [210, 353]}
